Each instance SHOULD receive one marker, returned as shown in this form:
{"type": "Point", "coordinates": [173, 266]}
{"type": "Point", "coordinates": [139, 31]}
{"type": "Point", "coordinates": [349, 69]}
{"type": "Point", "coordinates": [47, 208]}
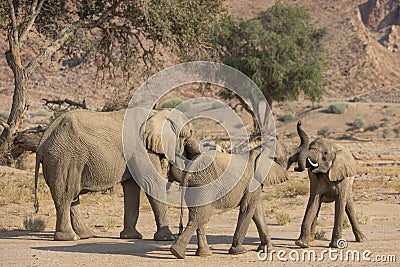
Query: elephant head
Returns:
{"type": "Point", "coordinates": [168, 140]}
{"type": "Point", "coordinates": [324, 156]}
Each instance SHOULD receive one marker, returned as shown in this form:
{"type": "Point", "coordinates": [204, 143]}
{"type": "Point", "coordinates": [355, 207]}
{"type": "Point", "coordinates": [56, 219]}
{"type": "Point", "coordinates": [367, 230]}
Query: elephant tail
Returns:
{"type": "Point", "coordinates": [37, 166]}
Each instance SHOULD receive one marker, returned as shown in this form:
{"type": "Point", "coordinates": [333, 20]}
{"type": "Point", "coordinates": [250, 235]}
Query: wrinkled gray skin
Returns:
{"type": "Point", "coordinates": [331, 169]}
{"type": "Point", "coordinates": [249, 203]}
{"type": "Point", "coordinates": [82, 152]}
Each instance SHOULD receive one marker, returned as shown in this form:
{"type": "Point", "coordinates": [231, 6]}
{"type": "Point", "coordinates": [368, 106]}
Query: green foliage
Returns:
{"type": "Point", "coordinates": [358, 123]}
{"type": "Point", "coordinates": [289, 116]}
{"type": "Point", "coordinates": [280, 50]}
{"type": "Point", "coordinates": [338, 108]}
{"type": "Point", "coordinates": [324, 132]}
{"type": "Point", "coordinates": [346, 223]}
{"type": "Point", "coordinates": [34, 224]}
{"type": "Point", "coordinates": [131, 34]}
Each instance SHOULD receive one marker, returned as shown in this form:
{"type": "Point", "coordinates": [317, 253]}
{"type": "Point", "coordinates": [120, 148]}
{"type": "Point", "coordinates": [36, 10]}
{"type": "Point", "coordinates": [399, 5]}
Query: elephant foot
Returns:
{"type": "Point", "coordinates": [333, 244]}
{"type": "Point", "coordinates": [85, 234]}
{"type": "Point", "coordinates": [178, 251]}
{"type": "Point", "coordinates": [264, 248]}
{"type": "Point", "coordinates": [360, 237]}
{"type": "Point", "coordinates": [164, 234]}
{"type": "Point", "coordinates": [130, 234]}
{"type": "Point", "coordinates": [303, 242]}
{"type": "Point", "coordinates": [237, 250]}
{"type": "Point", "coordinates": [65, 236]}
{"type": "Point", "coordinates": [203, 252]}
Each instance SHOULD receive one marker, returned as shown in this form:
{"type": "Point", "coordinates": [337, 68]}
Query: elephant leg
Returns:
{"type": "Point", "coordinates": [246, 212]}
{"type": "Point", "coordinates": [311, 212]}
{"type": "Point", "coordinates": [198, 216]}
{"type": "Point", "coordinates": [203, 249]}
{"type": "Point", "coordinates": [340, 206]}
{"type": "Point", "coordinates": [160, 209]}
{"type": "Point", "coordinates": [131, 209]}
{"type": "Point", "coordinates": [77, 221]}
{"type": "Point", "coordinates": [262, 228]}
{"type": "Point", "coordinates": [63, 196]}
{"type": "Point", "coordinates": [314, 223]}
{"type": "Point", "coordinates": [350, 211]}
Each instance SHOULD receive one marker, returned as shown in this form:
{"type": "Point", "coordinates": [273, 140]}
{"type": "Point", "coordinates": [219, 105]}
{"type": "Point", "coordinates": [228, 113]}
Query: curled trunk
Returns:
{"type": "Point", "coordinates": [304, 143]}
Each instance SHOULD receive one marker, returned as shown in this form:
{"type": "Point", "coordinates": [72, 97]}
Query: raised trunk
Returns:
{"type": "Point", "coordinates": [304, 143]}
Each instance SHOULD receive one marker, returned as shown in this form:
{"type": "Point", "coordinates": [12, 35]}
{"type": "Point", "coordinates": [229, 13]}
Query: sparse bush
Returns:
{"type": "Point", "coordinates": [363, 219]}
{"type": "Point", "coordinates": [320, 235]}
{"type": "Point", "coordinates": [172, 103]}
{"type": "Point", "coordinates": [282, 218]}
{"type": "Point", "coordinates": [338, 107]}
{"type": "Point", "coordinates": [34, 224]}
{"type": "Point", "coordinates": [363, 99]}
{"type": "Point", "coordinates": [296, 188]}
{"type": "Point", "coordinates": [346, 223]}
{"type": "Point", "coordinates": [388, 133]}
{"type": "Point", "coordinates": [39, 113]}
{"type": "Point", "coordinates": [324, 132]}
{"type": "Point", "coordinates": [358, 123]}
{"type": "Point", "coordinates": [289, 116]}
{"type": "Point", "coordinates": [397, 131]}
{"type": "Point", "coordinates": [4, 114]}
{"type": "Point", "coordinates": [177, 103]}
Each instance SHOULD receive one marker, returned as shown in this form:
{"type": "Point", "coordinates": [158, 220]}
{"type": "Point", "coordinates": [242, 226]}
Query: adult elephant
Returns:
{"type": "Point", "coordinates": [331, 169]}
{"type": "Point", "coordinates": [82, 151]}
{"type": "Point", "coordinates": [241, 195]}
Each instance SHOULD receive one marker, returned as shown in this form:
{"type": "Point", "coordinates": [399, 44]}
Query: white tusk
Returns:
{"type": "Point", "coordinates": [315, 165]}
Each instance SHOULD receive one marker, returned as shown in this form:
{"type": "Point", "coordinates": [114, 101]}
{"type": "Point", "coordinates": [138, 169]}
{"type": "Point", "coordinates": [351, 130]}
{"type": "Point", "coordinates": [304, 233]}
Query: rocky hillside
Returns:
{"type": "Point", "coordinates": [362, 47]}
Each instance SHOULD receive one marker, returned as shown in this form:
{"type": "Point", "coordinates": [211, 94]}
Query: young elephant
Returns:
{"type": "Point", "coordinates": [331, 169]}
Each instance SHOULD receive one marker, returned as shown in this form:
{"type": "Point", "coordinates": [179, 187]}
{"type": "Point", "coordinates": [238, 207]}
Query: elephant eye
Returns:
{"type": "Point", "coordinates": [325, 153]}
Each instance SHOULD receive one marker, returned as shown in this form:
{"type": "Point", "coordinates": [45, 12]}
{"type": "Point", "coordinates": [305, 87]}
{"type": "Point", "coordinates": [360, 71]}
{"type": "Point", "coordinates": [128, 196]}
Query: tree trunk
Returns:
{"type": "Point", "coordinates": [19, 106]}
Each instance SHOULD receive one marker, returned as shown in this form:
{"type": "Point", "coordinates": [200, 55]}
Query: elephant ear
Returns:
{"type": "Point", "coordinates": [154, 130]}
{"type": "Point", "coordinates": [344, 165]}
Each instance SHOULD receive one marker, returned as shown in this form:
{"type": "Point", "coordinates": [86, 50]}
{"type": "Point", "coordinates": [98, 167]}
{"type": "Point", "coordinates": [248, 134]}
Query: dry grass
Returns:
{"type": "Point", "coordinates": [34, 224]}
{"type": "Point", "coordinates": [282, 218]}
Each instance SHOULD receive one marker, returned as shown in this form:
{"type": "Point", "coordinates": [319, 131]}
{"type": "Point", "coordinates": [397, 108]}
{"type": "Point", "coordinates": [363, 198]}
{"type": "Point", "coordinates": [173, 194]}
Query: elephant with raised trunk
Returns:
{"type": "Point", "coordinates": [82, 151]}
{"type": "Point", "coordinates": [241, 195]}
{"type": "Point", "coordinates": [331, 169]}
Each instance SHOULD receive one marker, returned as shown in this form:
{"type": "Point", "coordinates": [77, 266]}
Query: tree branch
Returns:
{"type": "Point", "coordinates": [35, 10]}
{"type": "Point", "coordinates": [64, 35]}
{"type": "Point", "coordinates": [13, 20]}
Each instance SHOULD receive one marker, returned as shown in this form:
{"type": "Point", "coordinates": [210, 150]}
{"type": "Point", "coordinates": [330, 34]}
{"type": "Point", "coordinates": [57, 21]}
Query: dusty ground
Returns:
{"type": "Point", "coordinates": [376, 191]}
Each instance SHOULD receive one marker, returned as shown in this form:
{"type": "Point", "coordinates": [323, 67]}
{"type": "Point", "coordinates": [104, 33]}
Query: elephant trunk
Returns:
{"type": "Point", "coordinates": [304, 140]}
{"type": "Point", "coordinates": [304, 143]}
{"type": "Point", "coordinates": [306, 158]}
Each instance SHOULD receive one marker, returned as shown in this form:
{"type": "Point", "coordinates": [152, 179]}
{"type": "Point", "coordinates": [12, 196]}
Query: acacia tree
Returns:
{"type": "Point", "coordinates": [280, 50]}
{"type": "Point", "coordinates": [119, 34]}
